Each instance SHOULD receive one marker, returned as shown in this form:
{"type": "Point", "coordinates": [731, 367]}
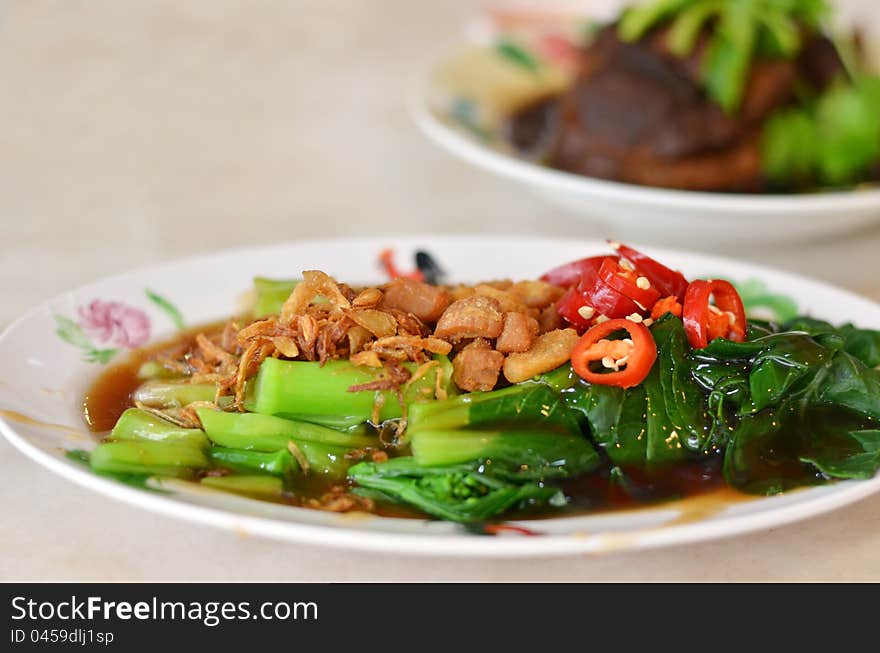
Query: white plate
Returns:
{"type": "Point", "coordinates": [43, 380]}
{"type": "Point", "coordinates": [461, 99]}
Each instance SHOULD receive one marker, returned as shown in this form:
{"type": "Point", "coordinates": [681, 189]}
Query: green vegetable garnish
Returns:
{"type": "Point", "coordinates": [831, 141]}
{"type": "Point", "coordinates": [741, 30]}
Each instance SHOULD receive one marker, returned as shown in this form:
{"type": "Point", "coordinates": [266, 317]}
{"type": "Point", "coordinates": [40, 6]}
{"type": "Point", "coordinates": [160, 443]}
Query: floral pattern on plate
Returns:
{"type": "Point", "coordinates": [100, 323]}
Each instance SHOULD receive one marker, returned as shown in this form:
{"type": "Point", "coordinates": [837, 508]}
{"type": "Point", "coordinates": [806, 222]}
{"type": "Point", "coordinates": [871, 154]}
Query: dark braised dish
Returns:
{"type": "Point", "coordinates": [708, 95]}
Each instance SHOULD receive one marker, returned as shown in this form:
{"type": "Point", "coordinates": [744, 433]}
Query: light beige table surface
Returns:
{"type": "Point", "coordinates": [134, 132]}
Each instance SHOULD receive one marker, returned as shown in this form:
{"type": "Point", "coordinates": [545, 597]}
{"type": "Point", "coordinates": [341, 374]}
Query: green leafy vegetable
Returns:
{"type": "Point", "coordinates": [832, 141]}
{"type": "Point", "coordinates": [741, 29]}
{"type": "Point", "coordinates": [860, 459]}
{"type": "Point", "coordinates": [454, 492]}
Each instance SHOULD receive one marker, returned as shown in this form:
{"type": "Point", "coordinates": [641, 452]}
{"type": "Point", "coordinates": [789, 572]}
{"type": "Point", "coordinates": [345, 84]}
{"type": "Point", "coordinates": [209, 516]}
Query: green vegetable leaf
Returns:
{"type": "Point", "coordinates": [728, 60]}
{"type": "Point", "coordinates": [170, 309]}
{"type": "Point", "coordinates": [833, 141]}
{"type": "Point", "coordinates": [739, 29]}
{"type": "Point", "coordinates": [684, 400]}
{"type": "Point", "coordinates": [637, 21]}
{"type": "Point", "coordinates": [455, 492]}
{"type": "Point", "coordinates": [864, 344]}
{"type": "Point", "coordinates": [848, 383]}
{"type": "Point", "coordinates": [685, 29]}
{"type": "Point", "coordinates": [860, 459]}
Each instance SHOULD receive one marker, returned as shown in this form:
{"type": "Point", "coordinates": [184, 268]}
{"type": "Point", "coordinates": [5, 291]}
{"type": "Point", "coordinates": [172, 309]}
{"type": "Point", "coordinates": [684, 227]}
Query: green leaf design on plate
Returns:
{"type": "Point", "coordinates": [170, 309]}
{"type": "Point", "coordinates": [518, 55]}
{"type": "Point", "coordinates": [101, 356]}
{"type": "Point", "coordinates": [71, 332]}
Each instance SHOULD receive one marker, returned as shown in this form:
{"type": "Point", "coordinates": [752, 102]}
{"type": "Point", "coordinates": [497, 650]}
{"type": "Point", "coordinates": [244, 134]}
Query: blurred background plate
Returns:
{"type": "Point", "coordinates": [520, 52]}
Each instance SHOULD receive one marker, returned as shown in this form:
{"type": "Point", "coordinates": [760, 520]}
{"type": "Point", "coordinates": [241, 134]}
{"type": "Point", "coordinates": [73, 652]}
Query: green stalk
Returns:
{"type": "Point", "coordinates": [252, 431]}
{"type": "Point", "coordinates": [512, 454]}
{"type": "Point", "coordinates": [325, 459]}
{"type": "Point", "coordinates": [271, 295]}
{"type": "Point", "coordinates": [155, 370]}
{"type": "Point", "coordinates": [137, 424]}
{"type": "Point", "coordinates": [306, 388]}
{"type": "Point", "coordinates": [260, 487]}
{"type": "Point", "coordinates": [335, 422]}
{"type": "Point", "coordinates": [173, 394]}
{"type": "Point", "coordinates": [281, 463]}
{"type": "Point", "coordinates": [529, 405]}
{"type": "Point", "coordinates": [324, 449]}
{"type": "Point", "coordinates": [149, 457]}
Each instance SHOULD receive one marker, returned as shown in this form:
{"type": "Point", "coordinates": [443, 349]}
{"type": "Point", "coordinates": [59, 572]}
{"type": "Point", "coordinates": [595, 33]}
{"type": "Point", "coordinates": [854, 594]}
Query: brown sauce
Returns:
{"type": "Point", "coordinates": [111, 393]}
{"type": "Point", "coordinates": [698, 483]}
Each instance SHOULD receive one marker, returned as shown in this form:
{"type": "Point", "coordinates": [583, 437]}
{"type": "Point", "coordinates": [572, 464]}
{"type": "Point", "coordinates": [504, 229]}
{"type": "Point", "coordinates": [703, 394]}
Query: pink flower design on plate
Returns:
{"type": "Point", "coordinates": [116, 323]}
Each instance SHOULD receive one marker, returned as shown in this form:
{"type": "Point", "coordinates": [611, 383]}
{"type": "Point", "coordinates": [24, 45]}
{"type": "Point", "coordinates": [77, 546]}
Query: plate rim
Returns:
{"type": "Point", "coordinates": [456, 545]}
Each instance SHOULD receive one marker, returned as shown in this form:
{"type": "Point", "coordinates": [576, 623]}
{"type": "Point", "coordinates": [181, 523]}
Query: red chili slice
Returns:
{"type": "Point", "coordinates": [606, 300]}
{"type": "Point", "coordinates": [702, 323]}
{"type": "Point", "coordinates": [626, 282]}
{"type": "Point", "coordinates": [630, 363]}
{"type": "Point", "coordinates": [666, 281]}
{"type": "Point", "coordinates": [570, 273]}
{"type": "Point", "coordinates": [569, 306]}
{"type": "Point", "coordinates": [598, 298]}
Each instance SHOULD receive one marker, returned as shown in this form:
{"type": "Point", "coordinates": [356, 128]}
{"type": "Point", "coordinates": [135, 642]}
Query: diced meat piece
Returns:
{"type": "Point", "coordinates": [477, 366]}
{"type": "Point", "coordinates": [499, 284]}
{"type": "Point", "coordinates": [507, 301]}
{"type": "Point", "coordinates": [472, 317]}
{"type": "Point", "coordinates": [550, 319]}
{"type": "Point", "coordinates": [423, 300]}
{"type": "Point", "coordinates": [549, 352]}
{"type": "Point", "coordinates": [536, 294]}
{"type": "Point", "coordinates": [461, 292]}
{"type": "Point", "coordinates": [518, 334]}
